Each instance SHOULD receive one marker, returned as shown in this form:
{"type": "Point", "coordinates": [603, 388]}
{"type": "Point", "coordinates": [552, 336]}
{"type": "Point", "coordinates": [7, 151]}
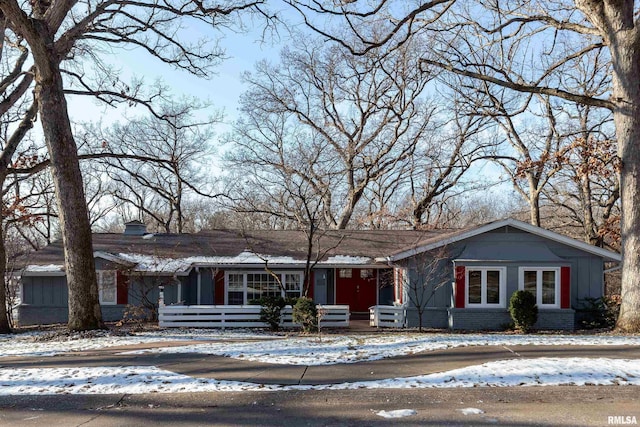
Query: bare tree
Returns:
{"type": "Point", "coordinates": [158, 163]}
{"type": "Point", "coordinates": [486, 41]}
{"type": "Point", "coordinates": [63, 30]}
{"type": "Point", "coordinates": [287, 202]}
{"type": "Point", "coordinates": [336, 121]}
{"type": "Point", "coordinates": [428, 272]}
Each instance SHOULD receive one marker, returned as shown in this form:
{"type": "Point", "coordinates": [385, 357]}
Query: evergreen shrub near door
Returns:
{"type": "Point", "coordinates": [271, 311]}
{"type": "Point", "coordinates": [523, 310]}
{"type": "Point", "coordinates": [306, 314]}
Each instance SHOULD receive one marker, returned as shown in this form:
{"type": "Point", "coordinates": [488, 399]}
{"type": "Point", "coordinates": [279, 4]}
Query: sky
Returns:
{"type": "Point", "coordinates": [222, 89]}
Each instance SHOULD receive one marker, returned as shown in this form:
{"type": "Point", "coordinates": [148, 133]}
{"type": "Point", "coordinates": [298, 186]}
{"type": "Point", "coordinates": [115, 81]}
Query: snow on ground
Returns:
{"type": "Point", "coordinates": [357, 348]}
{"type": "Point", "coordinates": [36, 344]}
{"type": "Point", "coordinates": [398, 413]}
{"type": "Point", "coordinates": [471, 411]}
{"type": "Point", "coordinates": [294, 350]}
{"type": "Point", "coordinates": [145, 379]}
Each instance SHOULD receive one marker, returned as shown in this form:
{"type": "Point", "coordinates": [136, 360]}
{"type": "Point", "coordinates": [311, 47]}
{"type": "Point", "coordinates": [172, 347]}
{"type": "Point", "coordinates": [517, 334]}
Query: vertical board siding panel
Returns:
{"type": "Point", "coordinates": [565, 287]}
{"type": "Point", "coordinates": [27, 290]}
{"type": "Point", "coordinates": [460, 285]}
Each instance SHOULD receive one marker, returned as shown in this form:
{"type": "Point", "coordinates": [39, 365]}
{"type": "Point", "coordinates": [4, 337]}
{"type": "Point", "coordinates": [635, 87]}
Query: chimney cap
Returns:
{"type": "Point", "coordinates": [135, 228]}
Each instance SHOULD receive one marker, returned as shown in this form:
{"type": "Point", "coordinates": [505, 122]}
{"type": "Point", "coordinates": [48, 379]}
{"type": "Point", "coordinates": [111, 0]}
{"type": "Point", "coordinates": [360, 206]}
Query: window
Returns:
{"type": "Point", "coordinates": [293, 285]}
{"type": "Point", "coordinates": [107, 289]}
{"type": "Point", "coordinates": [261, 285]}
{"type": "Point", "coordinates": [345, 273]}
{"type": "Point", "coordinates": [486, 287]}
{"type": "Point", "coordinates": [366, 273]}
{"type": "Point", "coordinates": [235, 289]}
{"type": "Point", "coordinates": [544, 283]}
{"type": "Point", "coordinates": [242, 288]}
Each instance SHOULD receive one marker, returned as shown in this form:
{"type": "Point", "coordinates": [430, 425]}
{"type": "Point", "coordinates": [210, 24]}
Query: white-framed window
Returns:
{"type": "Point", "coordinates": [244, 287]}
{"type": "Point", "coordinates": [486, 286]}
{"type": "Point", "coordinates": [107, 287]}
{"type": "Point", "coordinates": [543, 282]}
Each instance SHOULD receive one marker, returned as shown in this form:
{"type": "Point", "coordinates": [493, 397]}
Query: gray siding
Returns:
{"type": "Point", "coordinates": [44, 301]}
{"type": "Point", "coordinates": [45, 291]}
{"type": "Point", "coordinates": [513, 248]}
{"type": "Point", "coordinates": [207, 288]}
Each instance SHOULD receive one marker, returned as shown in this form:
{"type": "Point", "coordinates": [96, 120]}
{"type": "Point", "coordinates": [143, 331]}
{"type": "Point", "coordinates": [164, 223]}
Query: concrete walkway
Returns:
{"type": "Point", "coordinates": [224, 368]}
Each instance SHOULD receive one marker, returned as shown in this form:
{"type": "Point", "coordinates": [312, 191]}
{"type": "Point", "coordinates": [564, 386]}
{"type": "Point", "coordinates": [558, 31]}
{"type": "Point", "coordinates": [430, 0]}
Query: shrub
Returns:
{"type": "Point", "coordinates": [306, 313]}
{"type": "Point", "coordinates": [523, 310]}
{"type": "Point", "coordinates": [600, 312]}
{"type": "Point", "coordinates": [271, 311]}
{"type": "Point", "coordinates": [138, 314]}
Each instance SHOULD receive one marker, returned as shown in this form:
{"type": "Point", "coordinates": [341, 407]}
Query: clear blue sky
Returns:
{"type": "Point", "coordinates": [222, 89]}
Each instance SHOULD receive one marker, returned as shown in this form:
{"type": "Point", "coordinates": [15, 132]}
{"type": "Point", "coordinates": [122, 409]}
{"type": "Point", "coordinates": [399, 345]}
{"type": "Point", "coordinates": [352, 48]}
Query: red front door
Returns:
{"type": "Point", "coordinates": [356, 288]}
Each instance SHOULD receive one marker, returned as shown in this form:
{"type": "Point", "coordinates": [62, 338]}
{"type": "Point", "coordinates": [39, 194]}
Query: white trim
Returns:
{"type": "Point", "coordinates": [604, 253]}
{"type": "Point", "coordinates": [100, 274]}
{"type": "Point", "coordinates": [483, 287]}
{"type": "Point", "coordinates": [281, 273]}
{"type": "Point", "coordinates": [110, 257]}
{"type": "Point", "coordinates": [539, 271]}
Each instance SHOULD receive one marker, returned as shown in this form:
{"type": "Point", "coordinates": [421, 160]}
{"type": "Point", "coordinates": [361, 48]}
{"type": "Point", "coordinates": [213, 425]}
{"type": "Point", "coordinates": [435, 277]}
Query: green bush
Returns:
{"type": "Point", "coordinates": [271, 311]}
{"type": "Point", "coordinates": [306, 314]}
{"type": "Point", "coordinates": [523, 310]}
{"type": "Point", "coordinates": [599, 312]}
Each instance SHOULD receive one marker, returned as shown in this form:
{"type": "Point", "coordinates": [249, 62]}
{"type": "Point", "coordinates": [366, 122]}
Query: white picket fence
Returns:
{"type": "Point", "coordinates": [240, 316]}
{"type": "Point", "coordinates": [387, 316]}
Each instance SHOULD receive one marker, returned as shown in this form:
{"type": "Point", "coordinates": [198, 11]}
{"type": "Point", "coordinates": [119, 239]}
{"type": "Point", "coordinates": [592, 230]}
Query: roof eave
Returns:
{"type": "Point", "coordinates": [604, 253]}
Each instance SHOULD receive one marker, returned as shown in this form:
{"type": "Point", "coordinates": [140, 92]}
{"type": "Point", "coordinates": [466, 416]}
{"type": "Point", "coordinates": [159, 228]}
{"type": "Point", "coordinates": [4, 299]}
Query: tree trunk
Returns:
{"type": "Point", "coordinates": [625, 52]}
{"type": "Point", "coordinates": [534, 201]}
{"type": "Point", "coordinates": [5, 327]}
{"type": "Point", "coordinates": [73, 217]}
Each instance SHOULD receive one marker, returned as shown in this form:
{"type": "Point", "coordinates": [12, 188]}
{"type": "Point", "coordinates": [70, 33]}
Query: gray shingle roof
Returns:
{"type": "Point", "coordinates": [229, 243]}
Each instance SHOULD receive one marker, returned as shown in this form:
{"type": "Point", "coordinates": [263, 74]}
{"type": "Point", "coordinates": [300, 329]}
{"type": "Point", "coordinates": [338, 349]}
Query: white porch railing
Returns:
{"type": "Point", "coordinates": [240, 316]}
{"type": "Point", "coordinates": [387, 316]}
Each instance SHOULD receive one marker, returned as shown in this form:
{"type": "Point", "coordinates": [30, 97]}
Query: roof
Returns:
{"type": "Point", "coordinates": [178, 253]}
{"type": "Point", "coordinates": [434, 242]}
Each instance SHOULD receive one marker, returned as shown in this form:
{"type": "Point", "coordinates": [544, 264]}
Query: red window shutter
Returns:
{"type": "Point", "coordinates": [460, 285]}
{"type": "Point", "coordinates": [565, 287]}
{"type": "Point", "coordinates": [219, 288]}
{"type": "Point", "coordinates": [122, 288]}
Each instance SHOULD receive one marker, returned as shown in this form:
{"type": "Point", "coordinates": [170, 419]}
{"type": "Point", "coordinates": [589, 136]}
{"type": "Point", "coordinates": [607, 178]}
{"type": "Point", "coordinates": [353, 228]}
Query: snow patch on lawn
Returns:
{"type": "Point", "coordinates": [150, 379]}
{"type": "Point", "coordinates": [398, 413]}
{"type": "Point", "coordinates": [471, 411]}
{"type": "Point", "coordinates": [36, 343]}
{"type": "Point", "coordinates": [334, 349]}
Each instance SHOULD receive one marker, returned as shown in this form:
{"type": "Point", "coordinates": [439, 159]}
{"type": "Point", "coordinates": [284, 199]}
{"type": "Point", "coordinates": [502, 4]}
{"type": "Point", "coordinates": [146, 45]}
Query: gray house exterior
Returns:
{"type": "Point", "coordinates": [465, 277]}
{"type": "Point", "coordinates": [482, 267]}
